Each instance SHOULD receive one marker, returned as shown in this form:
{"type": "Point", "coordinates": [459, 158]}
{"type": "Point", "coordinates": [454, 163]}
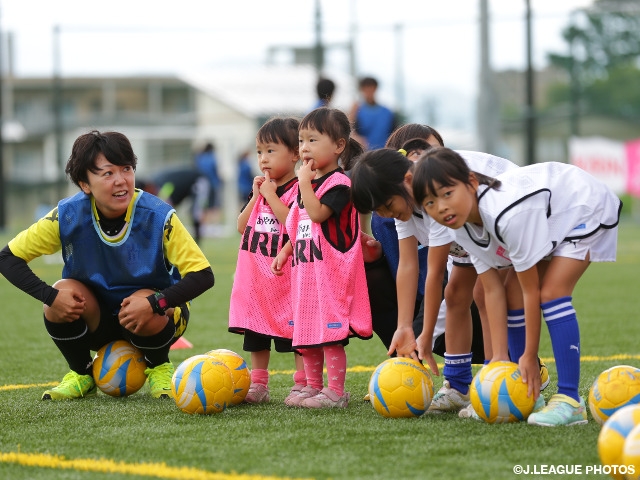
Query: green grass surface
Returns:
{"type": "Point", "coordinates": [140, 437]}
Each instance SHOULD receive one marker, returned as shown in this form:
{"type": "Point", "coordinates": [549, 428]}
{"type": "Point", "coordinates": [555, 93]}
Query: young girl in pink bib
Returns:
{"type": "Point", "coordinates": [260, 306]}
{"type": "Point", "coordinates": [329, 293]}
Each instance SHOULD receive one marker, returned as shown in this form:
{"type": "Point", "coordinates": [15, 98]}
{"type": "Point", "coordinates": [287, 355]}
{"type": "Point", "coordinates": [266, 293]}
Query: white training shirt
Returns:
{"type": "Point", "coordinates": [431, 233]}
{"type": "Point", "coordinates": [534, 210]}
{"type": "Point", "coordinates": [486, 163]}
{"type": "Point", "coordinates": [428, 232]}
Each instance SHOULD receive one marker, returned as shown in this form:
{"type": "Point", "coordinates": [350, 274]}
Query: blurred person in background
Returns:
{"type": "Point", "coordinates": [325, 89]}
{"type": "Point", "coordinates": [177, 184]}
{"type": "Point", "coordinates": [373, 123]}
{"type": "Point", "coordinates": [245, 176]}
{"type": "Point", "coordinates": [206, 162]}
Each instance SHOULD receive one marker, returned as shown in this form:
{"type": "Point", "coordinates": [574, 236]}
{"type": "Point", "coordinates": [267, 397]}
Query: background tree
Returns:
{"type": "Point", "coordinates": [604, 60]}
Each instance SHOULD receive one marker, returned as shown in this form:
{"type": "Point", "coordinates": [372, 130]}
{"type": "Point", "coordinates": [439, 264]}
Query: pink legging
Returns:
{"type": "Point", "coordinates": [336, 360]}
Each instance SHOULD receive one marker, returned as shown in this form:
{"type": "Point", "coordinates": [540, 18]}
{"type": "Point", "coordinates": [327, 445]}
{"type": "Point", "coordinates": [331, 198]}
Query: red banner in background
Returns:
{"type": "Point", "coordinates": [613, 162]}
{"type": "Point", "coordinates": [603, 158]}
{"type": "Point", "coordinates": [633, 167]}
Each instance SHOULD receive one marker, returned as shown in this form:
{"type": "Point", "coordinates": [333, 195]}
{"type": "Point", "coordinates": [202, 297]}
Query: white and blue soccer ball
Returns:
{"type": "Point", "coordinates": [400, 387]}
{"type": "Point", "coordinates": [203, 385]}
{"type": "Point", "coordinates": [118, 369]}
{"type": "Point", "coordinates": [498, 394]}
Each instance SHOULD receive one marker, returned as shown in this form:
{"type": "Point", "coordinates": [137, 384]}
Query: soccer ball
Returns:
{"type": "Point", "coordinates": [613, 434]}
{"type": "Point", "coordinates": [498, 394]}
{"type": "Point", "coordinates": [202, 384]}
{"type": "Point", "coordinates": [239, 372]}
{"type": "Point", "coordinates": [118, 369]}
{"type": "Point", "coordinates": [400, 387]}
{"type": "Point", "coordinates": [613, 389]}
{"type": "Point", "coordinates": [630, 460]}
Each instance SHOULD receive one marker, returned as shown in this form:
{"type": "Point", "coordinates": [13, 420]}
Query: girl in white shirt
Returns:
{"type": "Point", "coordinates": [381, 182]}
{"type": "Point", "coordinates": [548, 220]}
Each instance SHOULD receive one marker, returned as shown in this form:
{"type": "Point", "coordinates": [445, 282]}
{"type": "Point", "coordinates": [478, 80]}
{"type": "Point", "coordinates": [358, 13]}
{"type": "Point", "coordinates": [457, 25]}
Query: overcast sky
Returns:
{"type": "Point", "coordinates": [438, 39]}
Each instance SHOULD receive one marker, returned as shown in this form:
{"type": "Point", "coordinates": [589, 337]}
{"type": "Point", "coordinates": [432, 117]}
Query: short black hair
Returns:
{"type": "Point", "coordinates": [368, 82]}
{"type": "Point", "coordinates": [283, 130]}
{"type": "Point", "coordinates": [446, 167]}
{"type": "Point", "coordinates": [335, 124]}
{"type": "Point", "coordinates": [115, 146]}
{"type": "Point", "coordinates": [377, 176]}
{"type": "Point", "coordinates": [325, 88]}
{"type": "Point", "coordinates": [408, 131]}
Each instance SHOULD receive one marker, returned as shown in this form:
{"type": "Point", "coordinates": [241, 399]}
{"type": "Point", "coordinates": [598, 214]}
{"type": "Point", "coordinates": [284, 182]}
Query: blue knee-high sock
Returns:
{"type": "Point", "coordinates": [516, 334]}
{"type": "Point", "coordinates": [562, 323]}
{"type": "Point", "coordinates": [457, 370]}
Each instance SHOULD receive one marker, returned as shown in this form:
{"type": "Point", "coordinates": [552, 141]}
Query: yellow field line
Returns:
{"type": "Point", "coordinates": [32, 385]}
{"type": "Point", "coordinates": [156, 470]}
{"type": "Point", "coordinates": [365, 369]}
{"type": "Point", "coordinates": [585, 358]}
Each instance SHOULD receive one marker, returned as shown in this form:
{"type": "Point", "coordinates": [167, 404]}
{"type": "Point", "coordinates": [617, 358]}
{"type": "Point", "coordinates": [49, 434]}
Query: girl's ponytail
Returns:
{"type": "Point", "coordinates": [352, 150]}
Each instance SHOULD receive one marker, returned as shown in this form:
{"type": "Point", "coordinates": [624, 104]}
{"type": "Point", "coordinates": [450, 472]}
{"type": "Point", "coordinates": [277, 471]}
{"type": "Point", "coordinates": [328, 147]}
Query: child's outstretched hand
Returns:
{"type": "Point", "coordinates": [404, 343]}
{"type": "Point", "coordinates": [530, 370]}
{"type": "Point", "coordinates": [425, 354]}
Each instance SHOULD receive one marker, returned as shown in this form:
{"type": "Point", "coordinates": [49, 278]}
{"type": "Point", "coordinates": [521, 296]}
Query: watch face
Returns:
{"type": "Point", "coordinates": [163, 303]}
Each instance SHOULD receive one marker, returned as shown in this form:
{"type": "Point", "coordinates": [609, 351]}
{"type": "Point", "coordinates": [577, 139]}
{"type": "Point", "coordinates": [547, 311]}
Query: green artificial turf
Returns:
{"type": "Point", "coordinates": [141, 437]}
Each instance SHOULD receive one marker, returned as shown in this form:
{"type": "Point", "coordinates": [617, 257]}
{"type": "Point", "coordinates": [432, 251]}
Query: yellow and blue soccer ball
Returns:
{"type": "Point", "coordinates": [498, 394]}
{"type": "Point", "coordinates": [630, 460]}
{"type": "Point", "coordinates": [240, 373]}
{"type": "Point", "coordinates": [202, 384]}
{"type": "Point", "coordinates": [613, 434]}
{"type": "Point", "coordinates": [400, 387]}
{"type": "Point", "coordinates": [118, 369]}
{"type": "Point", "coordinates": [614, 388]}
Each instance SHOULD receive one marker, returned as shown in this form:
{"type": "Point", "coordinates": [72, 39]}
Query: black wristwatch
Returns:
{"type": "Point", "coordinates": [158, 303]}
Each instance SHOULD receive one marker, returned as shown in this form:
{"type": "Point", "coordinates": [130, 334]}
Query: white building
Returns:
{"type": "Point", "coordinates": [167, 120]}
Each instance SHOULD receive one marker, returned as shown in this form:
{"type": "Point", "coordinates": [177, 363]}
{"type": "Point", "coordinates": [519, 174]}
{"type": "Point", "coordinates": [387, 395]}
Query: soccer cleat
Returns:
{"type": "Point", "coordinates": [561, 410]}
{"type": "Point", "coordinates": [544, 375]}
{"type": "Point", "coordinates": [304, 393]}
{"type": "Point", "coordinates": [258, 393]}
{"type": "Point", "coordinates": [448, 400]}
{"type": "Point", "coordinates": [327, 398]}
{"type": "Point", "coordinates": [468, 412]}
{"type": "Point", "coordinates": [539, 405]}
{"type": "Point", "coordinates": [73, 385]}
{"type": "Point", "coordinates": [367, 398]}
{"type": "Point", "coordinates": [159, 379]}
